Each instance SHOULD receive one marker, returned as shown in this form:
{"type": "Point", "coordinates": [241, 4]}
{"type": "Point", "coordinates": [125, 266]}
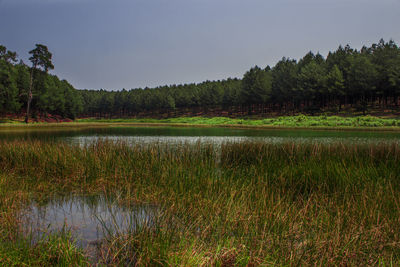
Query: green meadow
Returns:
{"type": "Point", "coordinates": [324, 122]}
{"type": "Point", "coordinates": [281, 121]}
{"type": "Point", "coordinates": [237, 204]}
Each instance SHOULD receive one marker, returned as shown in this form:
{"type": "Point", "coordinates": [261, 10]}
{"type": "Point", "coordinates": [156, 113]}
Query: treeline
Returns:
{"type": "Point", "coordinates": [164, 99]}
{"type": "Point", "coordinates": [20, 84]}
{"type": "Point", "coordinates": [347, 77]}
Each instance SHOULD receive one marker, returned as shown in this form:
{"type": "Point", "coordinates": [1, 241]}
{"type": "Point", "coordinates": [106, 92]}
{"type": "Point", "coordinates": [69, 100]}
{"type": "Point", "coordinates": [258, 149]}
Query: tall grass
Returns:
{"type": "Point", "coordinates": [250, 204]}
{"type": "Point", "coordinates": [56, 249]}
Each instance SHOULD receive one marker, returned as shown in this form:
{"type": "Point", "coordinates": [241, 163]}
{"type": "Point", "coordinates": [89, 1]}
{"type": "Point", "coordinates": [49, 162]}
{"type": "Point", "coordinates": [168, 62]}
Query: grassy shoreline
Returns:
{"type": "Point", "coordinates": [362, 123]}
{"type": "Point", "coordinates": [250, 204]}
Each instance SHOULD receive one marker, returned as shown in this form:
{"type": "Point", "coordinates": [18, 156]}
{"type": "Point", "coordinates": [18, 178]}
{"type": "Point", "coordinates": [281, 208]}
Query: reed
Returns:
{"type": "Point", "coordinates": [235, 204]}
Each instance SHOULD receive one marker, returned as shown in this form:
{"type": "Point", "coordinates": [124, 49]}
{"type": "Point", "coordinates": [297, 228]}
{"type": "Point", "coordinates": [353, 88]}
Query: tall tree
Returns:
{"type": "Point", "coordinates": [8, 90]}
{"type": "Point", "coordinates": [386, 58]}
{"type": "Point", "coordinates": [335, 85]}
{"type": "Point", "coordinates": [311, 82]}
{"type": "Point", "coordinates": [256, 86]}
{"type": "Point", "coordinates": [7, 55]}
{"type": "Point", "coordinates": [361, 80]}
{"type": "Point", "coordinates": [41, 59]}
{"type": "Point", "coordinates": [284, 81]}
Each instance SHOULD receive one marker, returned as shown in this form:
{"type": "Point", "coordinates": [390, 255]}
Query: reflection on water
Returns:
{"type": "Point", "coordinates": [89, 219]}
{"type": "Point", "coordinates": [176, 135]}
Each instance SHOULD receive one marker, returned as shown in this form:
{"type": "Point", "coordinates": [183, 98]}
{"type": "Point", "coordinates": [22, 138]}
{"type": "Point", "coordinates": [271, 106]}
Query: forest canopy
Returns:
{"type": "Point", "coordinates": [46, 93]}
{"type": "Point", "coordinates": [346, 77]}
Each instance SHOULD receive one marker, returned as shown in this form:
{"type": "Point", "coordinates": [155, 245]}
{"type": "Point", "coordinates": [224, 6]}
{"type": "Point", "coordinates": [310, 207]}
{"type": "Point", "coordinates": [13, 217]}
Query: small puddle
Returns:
{"type": "Point", "coordinates": [89, 219]}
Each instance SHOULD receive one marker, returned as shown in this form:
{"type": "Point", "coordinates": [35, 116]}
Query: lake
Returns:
{"type": "Point", "coordinates": [174, 135]}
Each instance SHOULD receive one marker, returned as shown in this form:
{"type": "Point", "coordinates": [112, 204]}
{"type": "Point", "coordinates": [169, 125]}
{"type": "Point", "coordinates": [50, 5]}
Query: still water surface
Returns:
{"type": "Point", "coordinates": [173, 135]}
{"type": "Point", "coordinates": [90, 219]}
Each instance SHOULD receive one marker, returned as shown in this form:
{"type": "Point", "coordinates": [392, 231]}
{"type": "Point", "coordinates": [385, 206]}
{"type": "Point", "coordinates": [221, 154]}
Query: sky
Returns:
{"type": "Point", "coordinates": [115, 44]}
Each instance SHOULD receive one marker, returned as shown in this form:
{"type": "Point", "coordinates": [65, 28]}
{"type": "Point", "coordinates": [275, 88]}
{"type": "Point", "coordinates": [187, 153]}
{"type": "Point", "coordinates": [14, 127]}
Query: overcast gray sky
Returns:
{"type": "Point", "coordinates": [115, 44]}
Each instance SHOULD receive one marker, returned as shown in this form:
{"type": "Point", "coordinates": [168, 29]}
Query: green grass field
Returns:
{"type": "Point", "coordinates": [299, 121]}
{"type": "Point", "coordinates": [250, 204]}
{"type": "Point", "coordinates": [287, 121]}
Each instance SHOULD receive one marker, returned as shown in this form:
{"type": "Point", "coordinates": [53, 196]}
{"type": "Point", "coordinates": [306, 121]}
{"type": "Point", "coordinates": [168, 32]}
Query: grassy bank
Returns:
{"type": "Point", "coordinates": [287, 121]}
{"type": "Point", "coordinates": [300, 122]}
{"type": "Point", "coordinates": [252, 203]}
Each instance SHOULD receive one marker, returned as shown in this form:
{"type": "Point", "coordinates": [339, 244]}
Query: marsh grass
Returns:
{"type": "Point", "coordinates": [54, 249]}
{"type": "Point", "coordinates": [248, 204]}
